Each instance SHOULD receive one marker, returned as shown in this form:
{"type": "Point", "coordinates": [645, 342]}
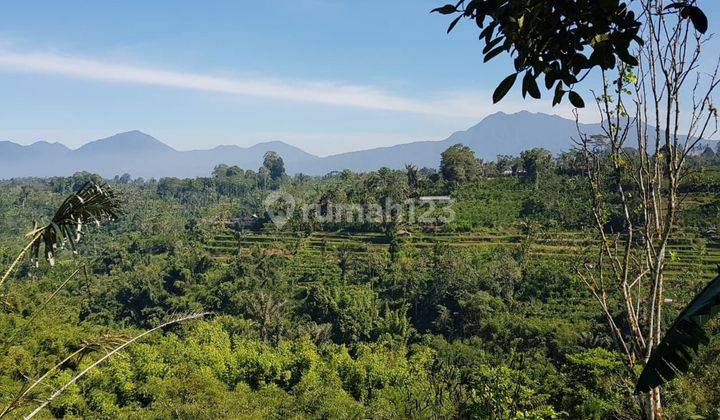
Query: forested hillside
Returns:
{"type": "Point", "coordinates": [478, 315]}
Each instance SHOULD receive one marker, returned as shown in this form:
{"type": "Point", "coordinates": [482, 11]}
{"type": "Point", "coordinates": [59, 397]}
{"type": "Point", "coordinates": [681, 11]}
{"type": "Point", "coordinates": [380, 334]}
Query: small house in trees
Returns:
{"type": "Point", "coordinates": [243, 223]}
{"type": "Point", "coordinates": [444, 199]}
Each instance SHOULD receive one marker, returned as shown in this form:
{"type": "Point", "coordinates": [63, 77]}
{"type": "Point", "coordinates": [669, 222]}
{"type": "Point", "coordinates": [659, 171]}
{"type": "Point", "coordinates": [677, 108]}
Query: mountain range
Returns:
{"type": "Point", "coordinates": [142, 155]}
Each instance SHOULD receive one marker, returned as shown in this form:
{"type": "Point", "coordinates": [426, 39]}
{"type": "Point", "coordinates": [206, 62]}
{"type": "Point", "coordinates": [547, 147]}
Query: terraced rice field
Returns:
{"type": "Point", "coordinates": [688, 252]}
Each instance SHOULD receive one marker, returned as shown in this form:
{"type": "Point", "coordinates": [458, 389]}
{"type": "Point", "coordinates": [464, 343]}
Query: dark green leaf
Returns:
{"type": "Point", "coordinates": [559, 93]}
{"type": "Point", "coordinates": [627, 58]}
{"type": "Point", "coordinates": [580, 63]}
{"type": "Point", "coordinates": [550, 79]}
{"type": "Point", "coordinates": [504, 87]}
{"type": "Point", "coordinates": [603, 56]}
{"type": "Point", "coordinates": [576, 99]}
{"type": "Point", "coordinates": [487, 32]}
{"type": "Point", "coordinates": [454, 22]}
{"type": "Point", "coordinates": [492, 54]}
{"type": "Point", "coordinates": [445, 10]}
{"type": "Point", "coordinates": [568, 78]}
{"type": "Point", "coordinates": [697, 17]}
{"type": "Point", "coordinates": [490, 45]}
{"type": "Point", "coordinates": [530, 86]}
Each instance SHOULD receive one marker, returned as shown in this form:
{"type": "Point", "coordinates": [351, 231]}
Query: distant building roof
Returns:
{"type": "Point", "coordinates": [427, 198]}
{"type": "Point", "coordinates": [249, 218]}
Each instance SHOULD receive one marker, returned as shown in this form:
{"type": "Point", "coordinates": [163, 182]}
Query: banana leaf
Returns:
{"type": "Point", "coordinates": [679, 347]}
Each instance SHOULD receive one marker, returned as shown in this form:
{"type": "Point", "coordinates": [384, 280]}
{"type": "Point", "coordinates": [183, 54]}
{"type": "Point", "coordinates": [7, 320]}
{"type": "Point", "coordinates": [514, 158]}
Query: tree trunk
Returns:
{"type": "Point", "coordinates": [653, 405]}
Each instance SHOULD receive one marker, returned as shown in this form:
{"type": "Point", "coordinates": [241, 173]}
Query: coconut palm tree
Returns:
{"type": "Point", "coordinates": [91, 204]}
{"type": "Point", "coordinates": [268, 314]}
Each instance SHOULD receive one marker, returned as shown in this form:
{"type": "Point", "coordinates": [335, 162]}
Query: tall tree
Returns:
{"type": "Point", "coordinates": [459, 164]}
{"type": "Point", "coordinates": [274, 164]}
{"type": "Point", "coordinates": [640, 189]}
{"type": "Point", "coordinates": [535, 162]}
{"type": "Point", "coordinates": [413, 179]}
{"type": "Point", "coordinates": [503, 164]}
{"type": "Point", "coordinates": [220, 171]}
{"type": "Point", "coordinates": [389, 190]}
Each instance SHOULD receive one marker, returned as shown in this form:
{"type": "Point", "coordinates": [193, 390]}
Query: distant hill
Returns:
{"type": "Point", "coordinates": [142, 155]}
{"type": "Point", "coordinates": [497, 134]}
{"type": "Point", "coordinates": [136, 153]}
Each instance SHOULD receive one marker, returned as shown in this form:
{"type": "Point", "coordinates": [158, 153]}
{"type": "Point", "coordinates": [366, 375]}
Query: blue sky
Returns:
{"type": "Point", "coordinates": [326, 75]}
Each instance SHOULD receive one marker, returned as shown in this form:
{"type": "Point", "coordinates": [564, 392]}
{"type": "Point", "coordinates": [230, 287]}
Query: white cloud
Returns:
{"type": "Point", "coordinates": [450, 104]}
{"type": "Point", "coordinates": [316, 92]}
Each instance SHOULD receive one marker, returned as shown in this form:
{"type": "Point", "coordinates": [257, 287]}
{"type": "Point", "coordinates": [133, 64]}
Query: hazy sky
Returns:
{"type": "Point", "coordinates": [325, 75]}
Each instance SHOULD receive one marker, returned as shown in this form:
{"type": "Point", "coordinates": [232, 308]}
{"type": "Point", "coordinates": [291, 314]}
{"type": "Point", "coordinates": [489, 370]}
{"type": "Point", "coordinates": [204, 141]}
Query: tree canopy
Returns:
{"type": "Point", "coordinates": [561, 40]}
{"type": "Point", "coordinates": [274, 164]}
{"type": "Point", "coordinates": [459, 164]}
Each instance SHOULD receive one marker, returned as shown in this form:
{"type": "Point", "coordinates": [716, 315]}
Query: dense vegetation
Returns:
{"type": "Point", "coordinates": [480, 316]}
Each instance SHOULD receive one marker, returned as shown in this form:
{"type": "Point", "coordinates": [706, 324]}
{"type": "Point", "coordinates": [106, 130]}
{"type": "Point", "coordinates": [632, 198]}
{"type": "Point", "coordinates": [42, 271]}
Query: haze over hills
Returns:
{"type": "Point", "coordinates": [142, 155]}
{"type": "Point", "coordinates": [495, 135]}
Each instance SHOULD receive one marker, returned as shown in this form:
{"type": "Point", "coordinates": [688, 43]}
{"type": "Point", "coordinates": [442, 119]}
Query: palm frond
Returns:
{"type": "Point", "coordinates": [91, 204]}
{"type": "Point", "coordinates": [679, 347]}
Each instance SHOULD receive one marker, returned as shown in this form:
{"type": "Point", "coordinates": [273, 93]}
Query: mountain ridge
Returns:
{"type": "Point", "coordinates": [142, 155]}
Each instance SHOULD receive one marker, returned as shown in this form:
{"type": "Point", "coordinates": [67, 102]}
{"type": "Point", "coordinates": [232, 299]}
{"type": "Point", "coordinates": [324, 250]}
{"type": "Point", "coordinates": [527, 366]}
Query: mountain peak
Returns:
{"type": "Point", "coordinates": [134, 141]}
{"type": "Point", "coordinates": [47, 143]}
{"type": "Point", "coordinates": [287, 151]}
{"type": "Point", "coordinates": [43, 146]}
{"type": "Point", "coordinates": [135, 133]}
{"type": "Point", "coordinates": [272, 143]}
